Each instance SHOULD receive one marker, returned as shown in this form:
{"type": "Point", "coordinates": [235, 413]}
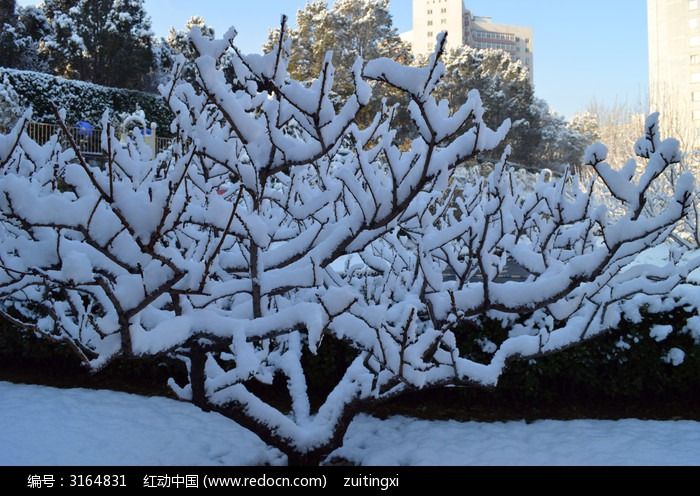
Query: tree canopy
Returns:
{"type": "Point", "coordinates": [107, 42]}
{"type": "Point", "coordinates": [21, 32]}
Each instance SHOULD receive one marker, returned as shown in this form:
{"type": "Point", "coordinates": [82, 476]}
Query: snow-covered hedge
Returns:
{"type": "Point", "coordinates": [628, 365]}
{"type": "Point", "coordinates": [11, 105]}
{"type": "Point", "coordinates": [82, 101]}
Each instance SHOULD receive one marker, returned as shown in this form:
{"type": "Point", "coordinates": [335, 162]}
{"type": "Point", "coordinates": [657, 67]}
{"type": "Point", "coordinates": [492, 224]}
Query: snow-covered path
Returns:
{"type": "Point", "coordinates": [44, 426]}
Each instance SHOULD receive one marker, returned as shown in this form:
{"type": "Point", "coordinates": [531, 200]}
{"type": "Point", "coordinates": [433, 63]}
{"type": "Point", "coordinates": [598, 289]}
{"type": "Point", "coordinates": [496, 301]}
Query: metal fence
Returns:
{"type": "Point", "coordinates": [88, 139]}
{"type": "Point", "coordinates": [163, 144]}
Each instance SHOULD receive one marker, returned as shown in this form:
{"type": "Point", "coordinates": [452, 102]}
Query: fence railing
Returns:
{"type": "Point", "coordinates": [88, 139]}
{"type": "Point", "coordinates": [163, 144]}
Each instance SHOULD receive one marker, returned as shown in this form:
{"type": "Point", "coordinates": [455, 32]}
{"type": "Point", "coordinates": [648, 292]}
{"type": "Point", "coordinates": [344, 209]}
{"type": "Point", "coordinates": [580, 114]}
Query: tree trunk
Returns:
{"type": "Point", "coordinates": [268, 436]}
{"type": "Point", "coordinates": [198, 360]}
{"type": "Point", "coordinates": [305, 460]}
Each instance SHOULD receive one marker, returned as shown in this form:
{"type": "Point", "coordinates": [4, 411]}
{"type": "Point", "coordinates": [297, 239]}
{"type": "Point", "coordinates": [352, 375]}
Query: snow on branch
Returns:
{"type": "Point", "coordinates": [275, 222]}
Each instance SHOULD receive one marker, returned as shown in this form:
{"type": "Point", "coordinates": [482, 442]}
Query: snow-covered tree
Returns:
{"type": "Point", "coordinates": [21, 31]}
{"type": "Point", "coordinates": [95, 40]}
{"type": "Point", "coordinates": [179, 41]}
{"type": "Point", "coordinates": [563, 143]}
{"type": "Point", "coordinates": [349, 29]}
{"type": "Point", "coordinates": [276, 226]}
{"type": "Point", "coordinates": [63, 46]}
{"type": "Point", "coordinates": [505, 90]}
{"type": "Point", "coordinates": [617, 125]}
{"type": "Point", "coordinates": [177, 44]}
{"type": "Point", "coordinates": [7, 11]}
{"type": "Point", "coordinates": [11, 105]}
{"type": "Point", "coordinates": [34, 27]}
{"type": "Point", "coordinates": [9, 44]}
{"type": "Point", "coordinates": [586, 125]}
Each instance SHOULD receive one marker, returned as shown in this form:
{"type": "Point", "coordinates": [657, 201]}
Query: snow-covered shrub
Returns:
{"type": "Point", "coordinates": [625, 365]}
{"type": "Point", "coordinates": [245, 246]}
{"type": "Point", "coordinates": [126, 121]}
{"type": "Point", "coordinates": [82, 101]}
{"type": "Point", "coordinates": [686, 235]}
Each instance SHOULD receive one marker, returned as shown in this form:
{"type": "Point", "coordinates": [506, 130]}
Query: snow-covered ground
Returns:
{"type": "Point", "coordinates": [403, 441]}
{"type": "Point", "coordinates": [45, 426]}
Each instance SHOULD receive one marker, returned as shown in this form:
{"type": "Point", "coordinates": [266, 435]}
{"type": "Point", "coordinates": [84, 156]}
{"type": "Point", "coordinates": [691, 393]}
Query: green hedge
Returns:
{"type": "Point", "coordinates": [602, 379]}
{"type": "Point", "coordinates": [30, 359]}
{"type": "Point", "coordinates": [599, 379]}
{"type": "Point", "coordinates": [83, 101]}
{"type": "Point", "coordinates": [623, 365]}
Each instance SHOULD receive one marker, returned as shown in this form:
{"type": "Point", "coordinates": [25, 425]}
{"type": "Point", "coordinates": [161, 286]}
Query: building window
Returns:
{"type": "Point", "coordinates": [695, 59]}
{"type": "Point", "coordinates": [495, 36]}
{"type": "Point", "coordinates": [430, 23]}
{"type": "Point", "coordinates": [693, 23]}
{"type": "Point", "coordinates": [443, 21]}
{"type": "Point", "coordinates": [695, 41]}
{"type": "Point", "coordinates": [696, 115]}
{"type": "Point", "coordinates": [693, 4]}
{"type": "Point", "coordinates": [430, 34]}
{"type": "Point", "coordinates": [444, 11]}
{"type": "Point", "coordinates": [696, 96]}
{"type": "Point", "coordinates": [695, 78]}
{"type": "Point", "coordinates": [430, 11]}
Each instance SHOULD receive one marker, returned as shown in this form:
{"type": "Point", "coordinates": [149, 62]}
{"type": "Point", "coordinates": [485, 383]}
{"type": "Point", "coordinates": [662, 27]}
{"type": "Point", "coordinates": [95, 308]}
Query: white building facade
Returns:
{"type": "Point", "coordinates": [431, 17]}
{"type": "Point", "coordinates": [674, 67]}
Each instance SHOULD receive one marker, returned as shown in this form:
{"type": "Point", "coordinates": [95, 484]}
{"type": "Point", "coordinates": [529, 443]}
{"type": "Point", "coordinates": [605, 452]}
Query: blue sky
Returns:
{"type": "Point", "coordinates": [584, 51]}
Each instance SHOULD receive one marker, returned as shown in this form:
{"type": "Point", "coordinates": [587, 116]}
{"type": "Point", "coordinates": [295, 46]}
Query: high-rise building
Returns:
{"type": "Point", "coordinates": [431, 17]}
{"type": "Point", "coordinates": [674, 67]}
